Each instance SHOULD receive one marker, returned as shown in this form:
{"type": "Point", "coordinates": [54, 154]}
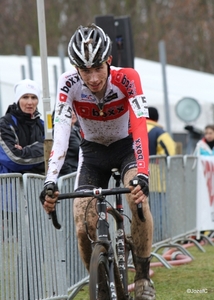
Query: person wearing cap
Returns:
{"type": "Point", "coordinates": [111, 109]}
{"type": "Point", "coordinates": [160, 141]}
{"type": "Point", "coordinates": [22, 132]}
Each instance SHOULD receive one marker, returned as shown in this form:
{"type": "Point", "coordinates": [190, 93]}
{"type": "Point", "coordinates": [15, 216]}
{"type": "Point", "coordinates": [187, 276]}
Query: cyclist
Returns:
{"type": "Point", "coordinates": [111, 109]}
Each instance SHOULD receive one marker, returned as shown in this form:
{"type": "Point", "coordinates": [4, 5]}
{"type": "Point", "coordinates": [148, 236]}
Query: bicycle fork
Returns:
{"type": "Point", "coordinates": [103, 236]}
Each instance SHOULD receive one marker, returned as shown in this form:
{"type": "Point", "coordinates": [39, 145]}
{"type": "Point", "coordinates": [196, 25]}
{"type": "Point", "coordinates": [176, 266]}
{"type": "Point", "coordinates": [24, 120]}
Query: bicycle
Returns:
{"type": "Point", "coordinates": [108, 266]}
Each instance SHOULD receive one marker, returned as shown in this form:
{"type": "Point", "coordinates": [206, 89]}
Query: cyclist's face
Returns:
{"type": "Point", "coordinates": [95, 78]}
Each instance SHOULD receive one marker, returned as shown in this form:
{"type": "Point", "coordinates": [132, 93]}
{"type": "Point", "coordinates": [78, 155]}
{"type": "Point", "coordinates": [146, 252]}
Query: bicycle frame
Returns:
{"type": "Point", "coordinates": [121, 250]}
{"type": "Point", "coordinates": [103, 239]}
{"type": "Point", "coordinates": [121, 244]}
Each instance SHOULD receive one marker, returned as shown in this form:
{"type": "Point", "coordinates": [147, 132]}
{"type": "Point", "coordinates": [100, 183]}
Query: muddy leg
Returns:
{"type": "Point", "coordinates": [84, 244]}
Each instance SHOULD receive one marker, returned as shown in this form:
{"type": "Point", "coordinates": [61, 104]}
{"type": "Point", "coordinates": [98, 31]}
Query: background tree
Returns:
{"type": "Point", "coordinates": [185, 26]}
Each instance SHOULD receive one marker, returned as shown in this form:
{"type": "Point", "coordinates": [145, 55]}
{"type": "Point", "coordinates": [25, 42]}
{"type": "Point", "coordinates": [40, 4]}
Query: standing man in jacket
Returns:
{"type": "Point", "coordinates": [160, 142]}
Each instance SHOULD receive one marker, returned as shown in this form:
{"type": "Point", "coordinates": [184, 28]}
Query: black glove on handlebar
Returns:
{"type": "Point", "coordinates": [49, 189]}
{"type": "Point", "coordinates": [143, 181]}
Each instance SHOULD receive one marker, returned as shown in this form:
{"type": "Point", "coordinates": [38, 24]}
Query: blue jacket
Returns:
{"type": "Point", "coordinates": [20, 128]}
{"type": "Point", "coordinates": [160, 142]}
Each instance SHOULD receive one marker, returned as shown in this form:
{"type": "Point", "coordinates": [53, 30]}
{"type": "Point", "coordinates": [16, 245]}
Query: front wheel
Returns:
{"type": "Point", "coordinates": [99, 283]}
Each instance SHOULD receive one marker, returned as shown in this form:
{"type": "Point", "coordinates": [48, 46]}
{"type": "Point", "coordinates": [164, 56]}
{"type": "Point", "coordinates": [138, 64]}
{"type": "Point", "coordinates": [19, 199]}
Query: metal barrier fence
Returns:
{"type": "Point", "coordinates": [40, 262]}
{"type": "Point", "coordinates": [173, 196]}
{"type": "Point", "coordinates": [46, 272]}
{"type": "Point", "coordinates": [13, 264]}
{"type": "Point", "coordinates": [75, 269]}
{"type": "Point", "coordinates": [182, 193]}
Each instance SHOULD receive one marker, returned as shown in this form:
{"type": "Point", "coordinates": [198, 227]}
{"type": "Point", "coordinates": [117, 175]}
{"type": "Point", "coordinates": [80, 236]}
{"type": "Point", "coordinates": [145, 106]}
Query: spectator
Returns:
{"type": "Point", "coordinates": [206, 145]}
{"type": "Point", "coordinates": [71, 159]}
{"type": "Point", "coordinates": [22, 132]}
{"type": "Point", "coordinates": [160, 142]}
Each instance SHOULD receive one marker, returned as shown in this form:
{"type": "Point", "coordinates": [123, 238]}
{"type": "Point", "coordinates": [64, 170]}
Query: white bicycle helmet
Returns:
{"type": "Point", "coordinates": [89, 47]}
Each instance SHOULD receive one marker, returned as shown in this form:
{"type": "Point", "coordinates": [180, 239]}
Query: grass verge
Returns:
{"type": "Point", "coordinates": [194, 280]}
{"type": "Point", "coordinates": [191, 281]}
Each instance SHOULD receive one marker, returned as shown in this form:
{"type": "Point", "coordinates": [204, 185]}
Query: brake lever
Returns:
{"type": "Point", "coordinates": [53, 214]}
{"type": "Point", "coordinates": [140, 212]}
{"type": "Point", "coordinates": [139, 205]}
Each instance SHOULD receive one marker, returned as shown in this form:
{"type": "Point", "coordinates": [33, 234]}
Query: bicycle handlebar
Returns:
{"type": "Point", "coordinates": [96, 192]}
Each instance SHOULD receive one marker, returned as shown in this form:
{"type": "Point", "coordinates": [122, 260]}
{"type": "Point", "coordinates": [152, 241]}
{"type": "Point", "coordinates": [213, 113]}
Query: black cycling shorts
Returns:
{"type": "Point", "coordinates": [97, 161]}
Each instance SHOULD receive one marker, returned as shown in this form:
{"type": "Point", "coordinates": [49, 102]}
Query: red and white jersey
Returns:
{"type": "Point", "coordinates": [123, 112]}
